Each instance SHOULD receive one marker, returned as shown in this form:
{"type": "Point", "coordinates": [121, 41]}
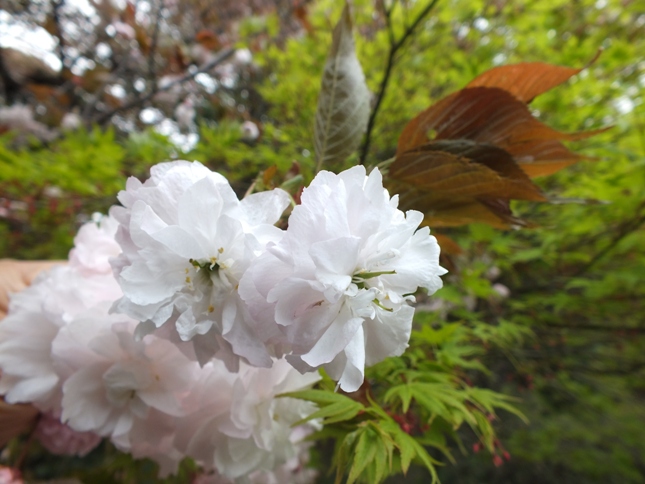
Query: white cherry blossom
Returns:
{"type": "Point", "coordinates": [337, 288]}
{"type": "Point", "coordinates": [187, 241]}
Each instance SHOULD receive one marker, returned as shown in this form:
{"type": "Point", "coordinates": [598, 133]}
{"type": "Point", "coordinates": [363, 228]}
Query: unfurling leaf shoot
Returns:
{"type": "Point", "coordinates": [343, 102]}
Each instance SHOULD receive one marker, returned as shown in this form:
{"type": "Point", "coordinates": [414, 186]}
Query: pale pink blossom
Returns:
{"type": "Point", "coordinates": [240, 426]}
{"type": "Point", "coordinates": [94, 246]}
{"type": "Point", "coordinates": [113, 381]}
{"type": "Point", "coordinates": [60, 439]}
{"type": "Point", "coordinates": [9, 475]}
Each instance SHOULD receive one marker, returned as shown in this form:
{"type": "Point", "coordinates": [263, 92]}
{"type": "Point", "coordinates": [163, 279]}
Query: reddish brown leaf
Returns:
{"type": "Point", "coordinates": [544, 157]}
{"type": "Point", "coordinates": [142, 39]}
{"type": "Point", "coordinates": [486, 115]}
{"type": "Point", "coordinates": [448, 245]}
{"type": "Point", "coordinates": [112, 101]}
{"type": "Point", "coordinates": [177, 61]}
{"type": "Point", "coordinates": [463, 159]}
{"type": "Point", "coordinates": [462, 168]}
{"type": "Point", "coordinates": [268, 175]}
{"type": "Point", "coordinates": [95, 79]}
{"type": "Point", "coordinates": [129, 14]}
{"type": "Point", "coordinates": [455, 182]}
{"type": "Point", "coordinates": [491, 115]}
{"type": "Point", "coordinates": [300, 12]}
{"type": "Point", "coordinates": [526, 80]}
{"type": "Point", "coordinates": [42, 92]}
{"type": "Point", "coordinates": [208, 39]}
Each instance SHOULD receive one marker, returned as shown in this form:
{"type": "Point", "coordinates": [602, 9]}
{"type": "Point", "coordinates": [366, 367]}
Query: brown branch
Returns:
{"type": "Point", "coordinates": [595, 327]}
{"type": "Point", "coordinates": [152, 74]}
{"type": "Point", "coordinates": [626, 230]}
{"type": "Point", "coordinates": [395, 46]}
{"type": "Point", "coordinates": [223, 55]}
{"type": "Point", "coordinates": [56, 6]}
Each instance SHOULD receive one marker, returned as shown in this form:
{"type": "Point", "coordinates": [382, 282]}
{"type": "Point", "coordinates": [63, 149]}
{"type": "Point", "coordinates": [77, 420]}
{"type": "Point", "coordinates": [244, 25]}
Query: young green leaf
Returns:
{"type": "Point", "coordinates": [344, 100]}
{"type": "Point", "coordinates": [334, 406]}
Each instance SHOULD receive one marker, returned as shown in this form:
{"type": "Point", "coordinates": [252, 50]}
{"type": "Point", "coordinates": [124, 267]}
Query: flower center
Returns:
{"type": "Point", "coordinates": [360, 279]}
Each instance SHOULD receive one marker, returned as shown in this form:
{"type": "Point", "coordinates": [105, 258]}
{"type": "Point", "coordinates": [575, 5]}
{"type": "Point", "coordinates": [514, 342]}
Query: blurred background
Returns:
{"type": "Point", "coordinates": [93, 91]}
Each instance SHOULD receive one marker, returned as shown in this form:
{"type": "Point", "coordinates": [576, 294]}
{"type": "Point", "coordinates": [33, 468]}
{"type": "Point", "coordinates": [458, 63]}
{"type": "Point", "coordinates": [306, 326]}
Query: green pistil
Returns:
{"type": "Point", "coordinates": [359, 279]}
{"type": "Point", "coordinates": [378, 303]}
{"type": "Point", "coordinates": [207, 266]}
{"type": "Point", "coordinates": [369, 275]}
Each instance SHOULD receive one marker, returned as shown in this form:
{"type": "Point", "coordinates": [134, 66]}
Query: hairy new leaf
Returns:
{"type": "Point", "coordinates": [343, 102]}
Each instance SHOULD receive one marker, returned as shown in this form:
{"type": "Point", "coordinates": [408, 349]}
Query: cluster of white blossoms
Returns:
{"type": "Point", "coordinates": [333, 290]}
{"type": "Point", "coordinates": [182, 315]}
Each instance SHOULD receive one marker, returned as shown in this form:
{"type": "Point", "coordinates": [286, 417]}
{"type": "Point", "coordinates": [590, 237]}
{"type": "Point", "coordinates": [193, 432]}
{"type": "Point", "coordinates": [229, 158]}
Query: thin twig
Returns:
{"type": "Point", "coordinates": [56, 6]}
{"type": "Point", "coordinates": [225, 54]}
{"type": "Point", "coordinates": [395, 46]}
{"type": "Point", "coordinates": [595, 327]}
{"type": "Point", "coordinates": [20, 461]}
{"type": "Point", "coordinates": [90, 106]}
{"type": "Point", "coordinates": [152, 74]}
{"type": "Point", "coordinates": [624, 232]}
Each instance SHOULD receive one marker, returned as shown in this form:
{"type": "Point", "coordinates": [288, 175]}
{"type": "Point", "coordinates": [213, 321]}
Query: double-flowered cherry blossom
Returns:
{"type": "Point", "coordinates": [164, 332]}
{"type": "Point", "coordinates": [187, 241]}
{"type": "Point", "coordinates": [339, 284]}
{"type": "Point", "coordinates": [62, 350]}
{"type": "Point", "coordinates": [240, 427]}
{"type": "Point", "coordinates": [60, 439]}
{"type": "Point", "coordinates": [37, 314]}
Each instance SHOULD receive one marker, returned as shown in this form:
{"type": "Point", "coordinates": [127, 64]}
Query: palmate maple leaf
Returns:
{"type": "Point", "coordinates": [484, 148]}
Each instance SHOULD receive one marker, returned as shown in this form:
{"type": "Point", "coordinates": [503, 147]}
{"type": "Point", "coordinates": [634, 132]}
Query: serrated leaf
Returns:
{"type": "Point", "coordinates": [406, 450]}
{"type": "Point", "coordinates": [525, 80]}
{"type": "Point", "coordinates": [321, 397]}
{"type": "Point", "coordinates": [461, 181]}
{"type": "Point", "coordinates": [404, 394]}
{"type": "Point", "coordinates": [336, 412]}
{"type": "Point", "coordinates": [490, 400]}
{"type": "Point", "coordinates": [468, 114]}
{"type": "Point", "coordinates": [344, 100]}
{"type": "Point", "coordinates": [490, 112]}
{"type": "Point", "coordinates": [364, 453]}
{"type": "Point", "coordinates": [409, 448]}
{"type": "Point", "coordinates": [386, 451]}
{"type": "Point", "coordinates": [463, 168]}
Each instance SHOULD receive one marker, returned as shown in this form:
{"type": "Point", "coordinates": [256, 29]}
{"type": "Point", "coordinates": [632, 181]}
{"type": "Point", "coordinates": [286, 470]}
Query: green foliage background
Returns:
{"type": "Point", "coordinates": [568, 341]}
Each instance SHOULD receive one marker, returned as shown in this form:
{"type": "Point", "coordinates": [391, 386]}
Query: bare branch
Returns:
{"type": "Point", "coordinates": [395, 46]}
{"type": "Point", "coordinates": [56, 7]}
{"type": "Point", "coordinates": [223, 55]}
{"type": "Point", "coordinates": [152, 71]}
{"type": "Point", "coordinates": [596, 327]}
{"type": "Point", "coordinates": [627, 229]}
